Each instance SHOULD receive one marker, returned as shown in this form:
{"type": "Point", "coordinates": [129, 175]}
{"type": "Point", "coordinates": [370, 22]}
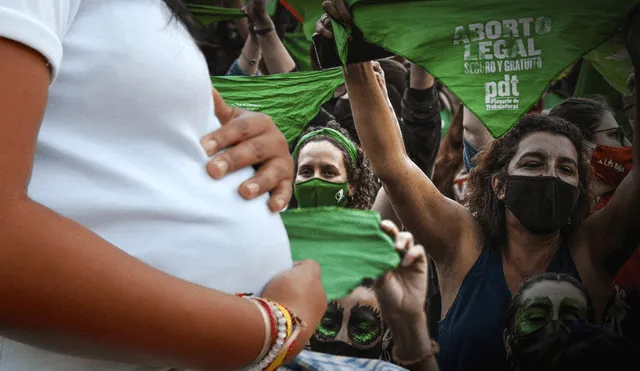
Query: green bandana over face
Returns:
{"type": "Point", "coordinates": [207, 15]}
{"type": "Point", "coordinates": [318, 192]}
{"type": "Point", "coordinates": [498, 57]}
{"type": "Point", "coordinates": [347, 243]}
{"type": "Point", "coordinates": [290, 99]}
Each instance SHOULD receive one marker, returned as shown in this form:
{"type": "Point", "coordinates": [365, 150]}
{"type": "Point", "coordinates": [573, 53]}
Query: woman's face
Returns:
{"type": "Point", "coordinates": [351, 325]}
{"type": "Point", "coordinates": [546, 154]}
{"type": "Point", "coordinates": [549, 300]}
{"type": "Point", "coordinates": [322, 160]}
{"type": "Point", "coordinates": [608, 133]}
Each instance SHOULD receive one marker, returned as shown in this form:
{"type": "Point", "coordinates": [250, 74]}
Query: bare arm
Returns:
{"type": "Point", "coordinates": [475, 133]}
{"type": "Point", "coordinates": [250, 56]}
{"type": "Point", "coordinates": [275, 55]}
{"type": "Point", "coordinates": [420, 206]}
{"type": "Point", "coordinates": [70, 290]}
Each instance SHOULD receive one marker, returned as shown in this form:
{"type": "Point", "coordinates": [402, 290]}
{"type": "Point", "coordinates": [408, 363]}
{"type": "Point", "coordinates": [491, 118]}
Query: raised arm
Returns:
{"type": "Point", "coordinates": [274, 53]}
{"type": "Point", "coordinates": [420, 206]}
{"type": "Point", "coordinates": [65, 289]}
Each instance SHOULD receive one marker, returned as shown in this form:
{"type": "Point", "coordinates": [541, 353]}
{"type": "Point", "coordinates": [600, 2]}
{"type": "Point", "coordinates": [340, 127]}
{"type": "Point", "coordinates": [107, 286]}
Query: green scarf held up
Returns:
{"type": "Point", "coordinates": [206, 14]}
{"type": "Point", "coordinates": [347, 243]}
{"type": "Point", "coordinates": [290, 99]}
{"type": "Point", "coordinates": [497, 56]}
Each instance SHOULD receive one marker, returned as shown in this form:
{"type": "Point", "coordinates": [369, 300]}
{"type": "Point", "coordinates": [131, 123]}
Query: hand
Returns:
{"type": "Point", "coordinates": [382, 83]}
{"type": "Point", "coordinates": [300, 290]}
{"type": "Point", "coordinates": [250, 138]}
{"type": "Point", "coordinates": [403, 291]}
{"type": "Point", "coordinates": [336, 9]}
{"type": "Point", "coordinates": [257, 12]}
{"type": "Point", "coordinates": [633, 37]}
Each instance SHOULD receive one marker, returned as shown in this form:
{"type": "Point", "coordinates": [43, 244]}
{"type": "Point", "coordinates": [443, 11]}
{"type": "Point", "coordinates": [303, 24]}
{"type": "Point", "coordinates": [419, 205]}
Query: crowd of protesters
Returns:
{"type": "Point", "coordinates": [139, 215]}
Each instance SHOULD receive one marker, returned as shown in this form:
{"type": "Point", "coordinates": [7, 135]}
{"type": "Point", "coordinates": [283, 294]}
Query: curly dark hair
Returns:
{"type": "Point", "coordinates": [483, 201]}
{"type": "Point", "coordinates": [359, 174]}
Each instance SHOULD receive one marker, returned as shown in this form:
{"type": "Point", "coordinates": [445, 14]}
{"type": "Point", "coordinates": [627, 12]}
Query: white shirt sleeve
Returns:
{"type": "Point", "coordinates": [38, 24]}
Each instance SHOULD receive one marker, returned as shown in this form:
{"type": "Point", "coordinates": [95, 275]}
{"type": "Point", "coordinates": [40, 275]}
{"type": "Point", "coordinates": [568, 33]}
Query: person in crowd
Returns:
{"type": "Point", "coordinates": [118, 250]}
{"type": "Point", "coordinates": [331, 170]}
{"type": "Point", "coordinates": [450, 175]}
{"type": "Point", "coordinates": [262, 42]}
{"type": "Point", "coordinates": [541, 317]}
{"type": "Point", "coordinates": [527, 209]}
{"type": "Point", "coordinates": [549, 325]}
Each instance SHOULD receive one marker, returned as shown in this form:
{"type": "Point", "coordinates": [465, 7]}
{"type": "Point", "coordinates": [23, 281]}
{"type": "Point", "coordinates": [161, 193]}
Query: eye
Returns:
{"type": "Point", "coordinates": [567, 170]}
{"type": "Point", "coordinates": [328, 327]}
{"type": "Point", "coordinates": [305, 173]}
{"type": "Point", "coordinates": [365, 332]}
{"type": "Point", "coordinates": [329, 174]}
{"type": "Point", "coordinates": [531, 165]}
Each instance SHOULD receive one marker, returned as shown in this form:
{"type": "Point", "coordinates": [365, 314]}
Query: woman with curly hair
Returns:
{"type": "Point", "coordinates": [331, 170]}
{"type": "Point", "coordinates": [527, 211]}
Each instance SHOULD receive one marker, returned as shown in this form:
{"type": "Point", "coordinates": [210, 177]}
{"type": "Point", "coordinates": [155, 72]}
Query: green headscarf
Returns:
{"type": "Point", "coordinates": [331, 133]}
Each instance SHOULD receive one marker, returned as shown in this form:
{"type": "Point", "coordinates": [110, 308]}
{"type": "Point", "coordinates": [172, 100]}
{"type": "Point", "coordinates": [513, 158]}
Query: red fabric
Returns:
{"type": "Point", "coordinates": [292, 11]}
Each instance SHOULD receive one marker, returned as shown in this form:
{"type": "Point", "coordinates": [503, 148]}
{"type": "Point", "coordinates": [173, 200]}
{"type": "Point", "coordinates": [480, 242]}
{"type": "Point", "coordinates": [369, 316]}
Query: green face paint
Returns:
{"type": "Point", "coordinates": [536, 312]}
{"type": "Point", "coordinates": [318, 192]}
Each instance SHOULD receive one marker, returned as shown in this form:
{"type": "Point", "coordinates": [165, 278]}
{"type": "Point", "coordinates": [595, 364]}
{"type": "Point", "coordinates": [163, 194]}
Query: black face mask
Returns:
{"type": "Point", "coordinates": [533, 351]}
{"type": "Point", "coordinates": [340, 348]}
{"type": "Point", "coordinates": [542, 204]}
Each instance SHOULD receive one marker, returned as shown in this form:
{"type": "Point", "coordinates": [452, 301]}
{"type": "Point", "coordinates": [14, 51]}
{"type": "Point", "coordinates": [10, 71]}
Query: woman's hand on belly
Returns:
{"type": "Point", "coordinates": [250, 139]}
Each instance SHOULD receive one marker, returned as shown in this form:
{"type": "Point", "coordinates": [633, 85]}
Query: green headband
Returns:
{"type": "Point", "coordinates": [331, 133]}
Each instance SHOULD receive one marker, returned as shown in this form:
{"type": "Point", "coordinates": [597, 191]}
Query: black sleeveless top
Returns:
{"type": "Point", "coordinates": [470, 335]}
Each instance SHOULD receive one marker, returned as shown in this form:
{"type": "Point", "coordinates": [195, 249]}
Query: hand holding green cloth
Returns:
{"type": "Point", "coordinates": [290, 99]}
{"type": "Point", "coordinates": [348, 244]}
{"type": "Point", "coordinates": [206, 14]}
{"type": "Point", "coordinates": [497, 56]}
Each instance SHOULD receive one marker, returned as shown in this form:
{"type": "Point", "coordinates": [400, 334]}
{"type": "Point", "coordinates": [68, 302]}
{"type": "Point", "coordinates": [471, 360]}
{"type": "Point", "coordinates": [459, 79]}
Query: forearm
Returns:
{"type": "Point", "coordinates": [274, 53]}
{"type": "Point", "coordinates": [72, 292]}
{"type": "Point", "coordinates": [412, 343]}
{"type": "Point", "coordinates": [250, 56]}
{"type": "Point", "coordinates": [375, 123]}
{"type": "Point", "coordinates": [475, 133]}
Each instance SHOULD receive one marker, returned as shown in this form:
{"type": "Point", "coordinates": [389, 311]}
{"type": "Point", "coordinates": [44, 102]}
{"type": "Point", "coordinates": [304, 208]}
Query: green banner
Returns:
{"type": "Point", "coordinates": [497, 56]}
{"type": "Point", "coordinates": [299, 48]}
{"type": "Point", "coordinates": [206, 14]}
{"type": "Point", "coordinates": [291, 99]}
{"type": "Point", "coordinates": [347, 243]}
{"type": "Point", "coordinates": [612, 61]}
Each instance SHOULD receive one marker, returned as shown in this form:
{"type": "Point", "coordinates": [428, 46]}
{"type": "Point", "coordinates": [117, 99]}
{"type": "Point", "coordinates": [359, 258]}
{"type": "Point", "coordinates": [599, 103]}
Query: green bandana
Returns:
{"type": "Point", "coordinates": [347, 243]}
{"type": "Point", "coordinates": [331, 133]}
{"type": "Point", "coordinates": [318, 192]}
{"type": "Point", "coordinates": [612, 61]}
{"type": "Point", "coordinates": [206, 14]}
{"type": "Point", "coordinates": [291, 99]}
{"type": "Point", "coordinates": [498, 57]}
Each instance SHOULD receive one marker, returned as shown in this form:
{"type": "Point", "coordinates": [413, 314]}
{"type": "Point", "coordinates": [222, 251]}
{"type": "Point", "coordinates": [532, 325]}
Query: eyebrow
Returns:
{"type": "Point", "coordinates": [537, 302]}
{"type": "Point", "coordinates": [541, 156]}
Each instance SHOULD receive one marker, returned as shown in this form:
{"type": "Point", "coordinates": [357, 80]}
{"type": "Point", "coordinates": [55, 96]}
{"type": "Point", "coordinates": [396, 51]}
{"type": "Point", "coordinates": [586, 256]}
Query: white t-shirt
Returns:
{"type": "Point", "coordinates": [119, 152]}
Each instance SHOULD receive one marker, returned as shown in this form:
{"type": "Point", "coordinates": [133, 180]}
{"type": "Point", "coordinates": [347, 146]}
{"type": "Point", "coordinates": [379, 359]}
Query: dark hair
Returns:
{"type": "Point", "coordinates": [359, 174]}
{"type": "Point", "coordinates": [181, 13]}
{"type": "Point", "coordinates": [515, 302]}
{"type": "Point", "coordinates": [585, 113]}
{"type": "Point", "coordinates": [449, 158]}
{"type": "Point", "coordinates": [483, 201]}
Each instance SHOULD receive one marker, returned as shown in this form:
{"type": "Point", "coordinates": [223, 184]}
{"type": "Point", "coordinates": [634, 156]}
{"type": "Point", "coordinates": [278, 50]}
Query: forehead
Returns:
{"type": "Point", "coordinates": [360, 296]}
{"type": "Point", "coordinates": [548, 144]}
{"type": "Point", "coordinates": [607, 121]}
{"type": "Point", "coordinates": [555, 291]}
{"type": "Point", "coordinates": [320, 151]}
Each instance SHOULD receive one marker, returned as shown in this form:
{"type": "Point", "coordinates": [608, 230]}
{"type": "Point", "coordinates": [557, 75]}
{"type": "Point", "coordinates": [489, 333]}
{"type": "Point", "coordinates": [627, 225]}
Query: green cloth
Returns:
{"type": "Point", "coordinates": [292, 100]}
{"type": "Point", "coordinates": [612, 61]}
{"type": "Point", "coordinates": [498, 74]}
{"type": "Point", "coordinates": [347, 243]}
{"type": "Point", "coordinates": [206, 14]}
{"type": "Point", "coordinates": [332, 133]}
{"type": "Point", "coordinates": [551, 100]}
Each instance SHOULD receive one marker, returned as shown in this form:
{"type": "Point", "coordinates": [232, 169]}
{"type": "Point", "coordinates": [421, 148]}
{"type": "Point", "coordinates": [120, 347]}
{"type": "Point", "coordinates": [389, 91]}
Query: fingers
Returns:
{"type": "Point", "coordinates": [403, 242]}
{"type": "Point", "coordinates": [330, 9]}
{"type": "Point", "coordinates": [390, 228]}
{"type": "Point", "coordinates": [224, 112]}
{"type": "Point", "coordinates": [344, 15]}
{"type": "Point", "coordinates": [414, 255]}
{"type": "Point", "coordinates": [281, 195]}
{"type": "Point", "coordinates": [245, 126]}
{"type": "Point", "coordinates": [324, 27]}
